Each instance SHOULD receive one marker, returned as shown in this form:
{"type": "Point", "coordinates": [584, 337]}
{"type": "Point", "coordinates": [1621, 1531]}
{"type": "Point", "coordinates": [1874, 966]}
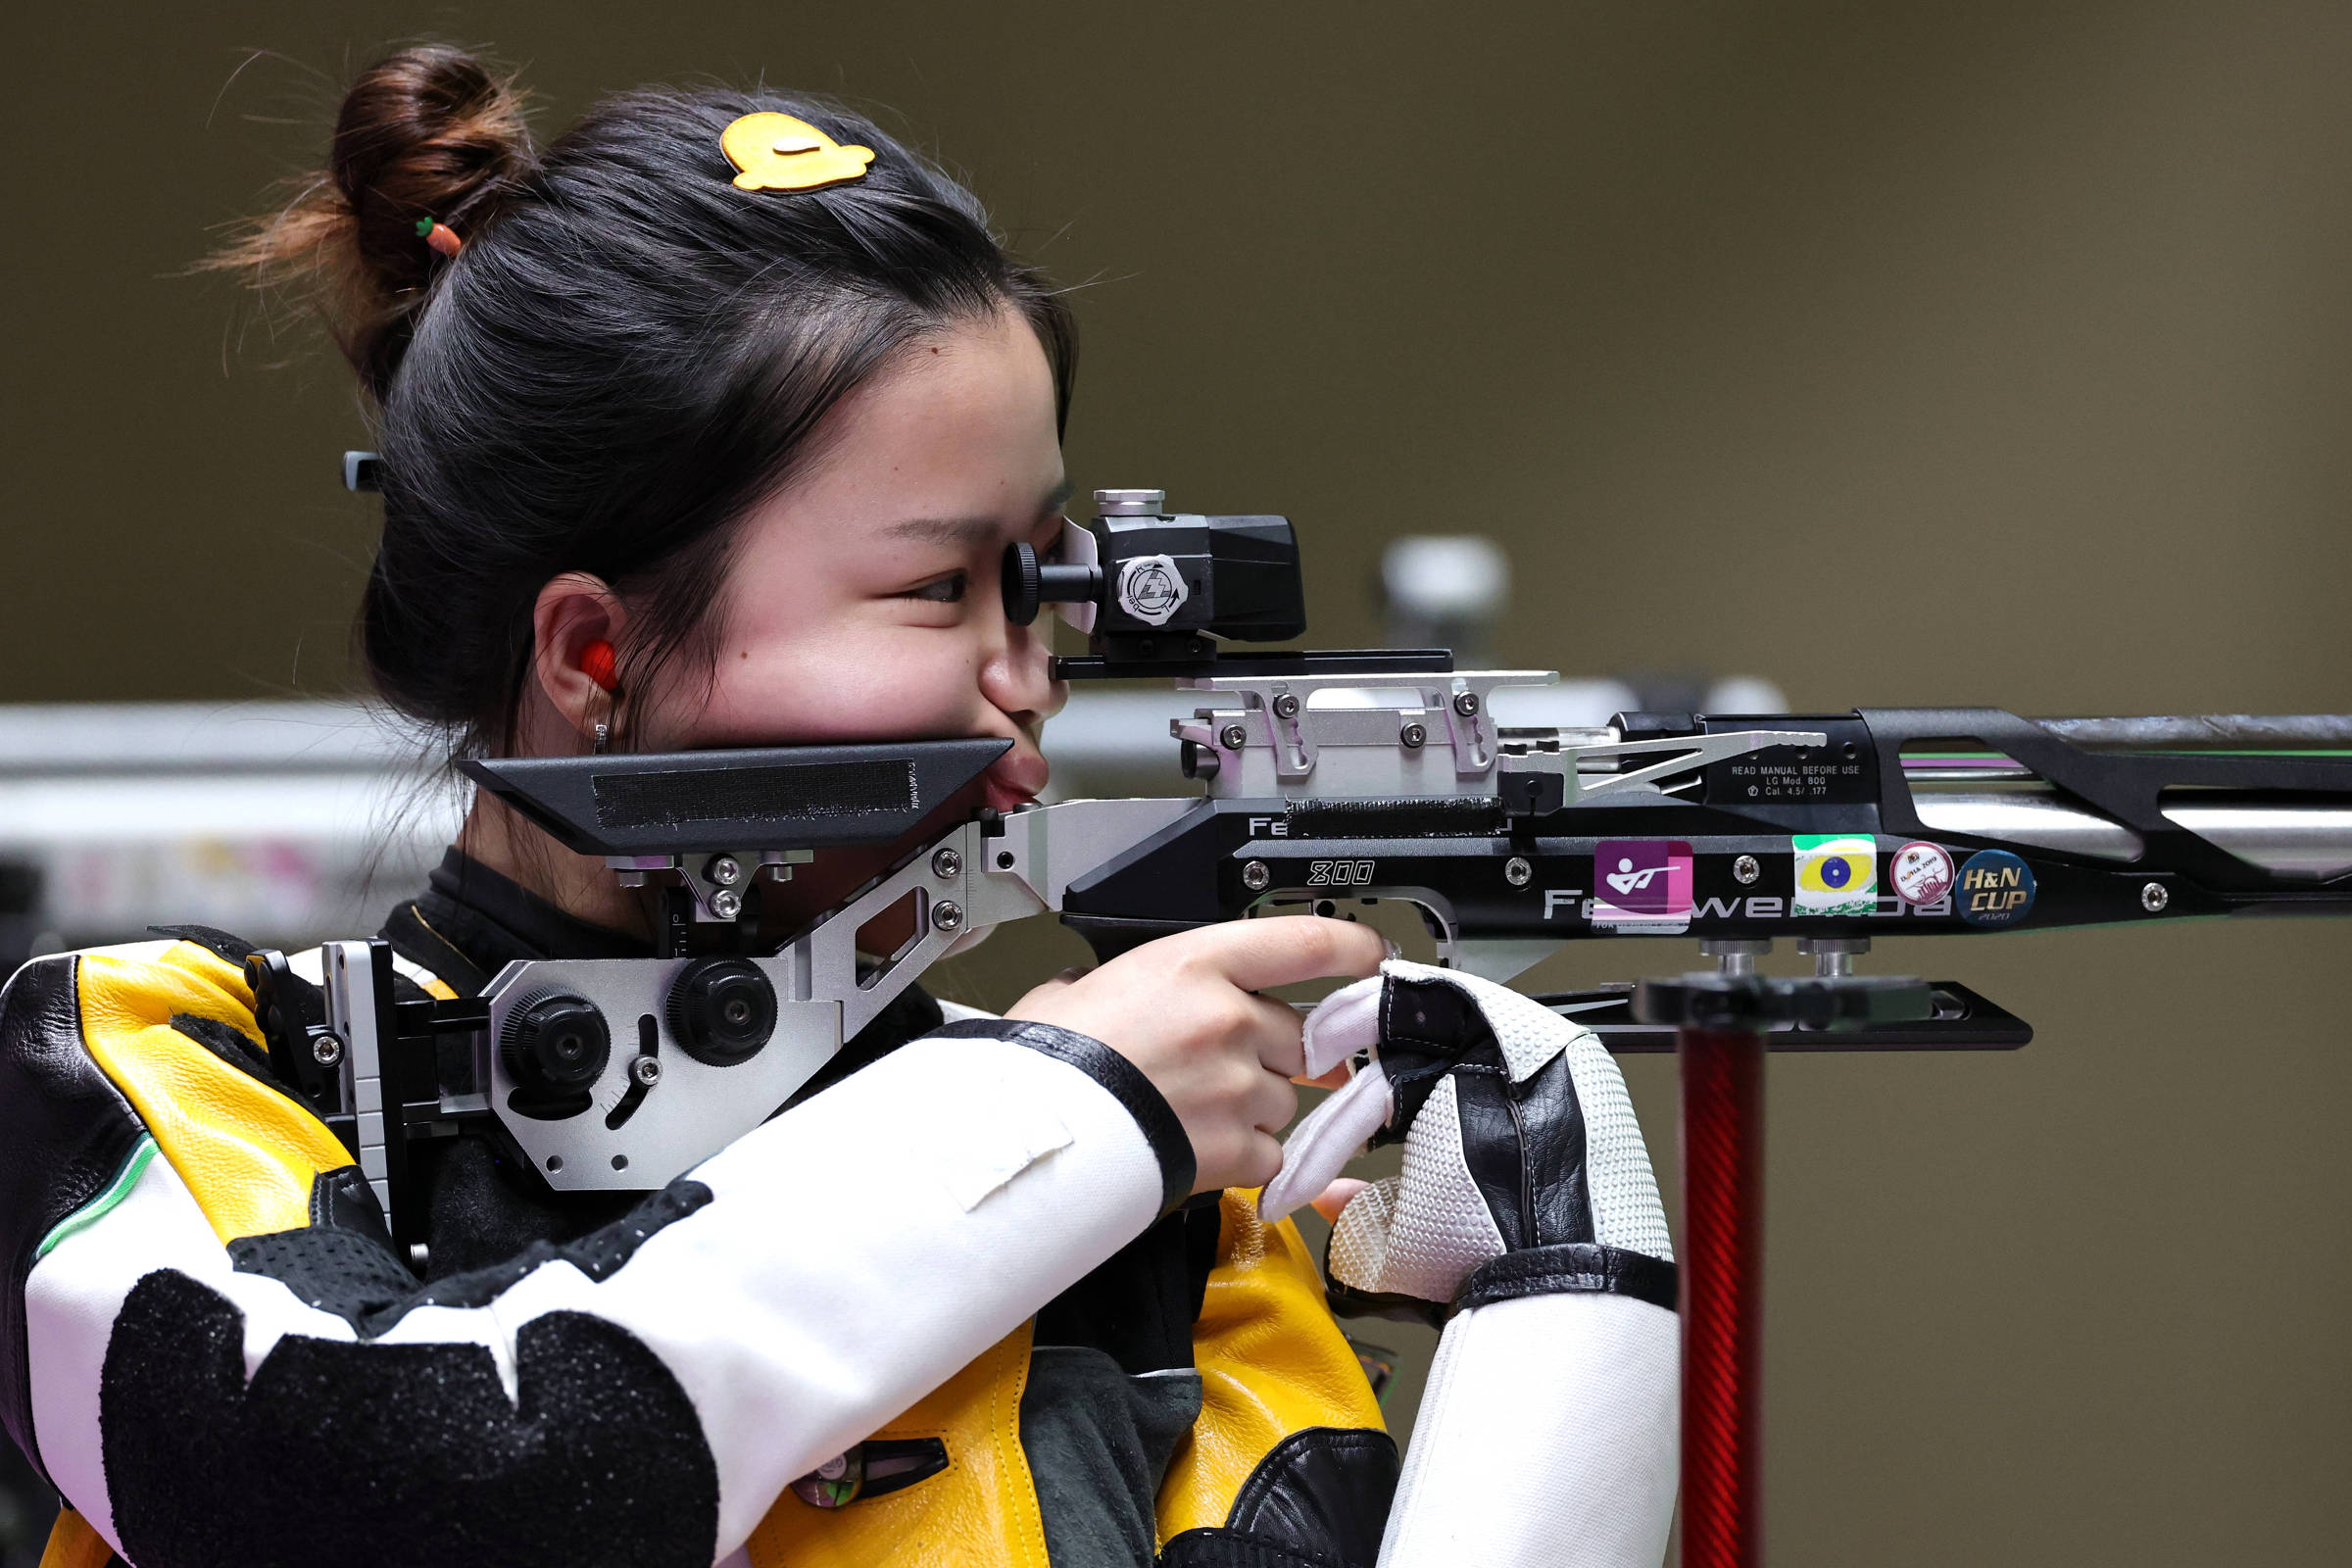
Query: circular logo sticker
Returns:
{"type": "Point", "coordinates": [1996, 889]}
{"type": "Point", "coordinates": [1922, 872]}
{"type": "Point", "coordinates": [1151, 589]}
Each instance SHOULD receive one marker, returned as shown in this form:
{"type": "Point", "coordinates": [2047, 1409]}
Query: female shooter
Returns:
{"type": "Point", "coordinates": [702, 436]}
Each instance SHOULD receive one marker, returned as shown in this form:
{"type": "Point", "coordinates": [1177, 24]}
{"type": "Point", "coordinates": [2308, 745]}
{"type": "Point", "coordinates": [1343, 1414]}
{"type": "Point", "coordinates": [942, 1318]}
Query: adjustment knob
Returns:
{"type": "Point", "coordinates": [721, 1010]}
{"type": "Point", "coordinates": [555, 1041]}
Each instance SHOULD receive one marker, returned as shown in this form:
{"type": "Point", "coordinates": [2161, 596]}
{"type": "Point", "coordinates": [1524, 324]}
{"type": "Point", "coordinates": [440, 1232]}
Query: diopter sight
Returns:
{"type": "Point", "coordinates": [1153, 588]}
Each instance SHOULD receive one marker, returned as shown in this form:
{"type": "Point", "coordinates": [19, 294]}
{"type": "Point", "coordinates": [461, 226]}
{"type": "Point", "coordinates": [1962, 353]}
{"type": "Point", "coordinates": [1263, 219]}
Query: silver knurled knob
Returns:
{"type": "Point", "coordinates": [1130, 503]}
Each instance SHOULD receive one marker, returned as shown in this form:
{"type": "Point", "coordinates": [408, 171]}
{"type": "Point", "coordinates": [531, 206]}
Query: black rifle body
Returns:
{"type": "Point", "coordinates": [2114, 845]}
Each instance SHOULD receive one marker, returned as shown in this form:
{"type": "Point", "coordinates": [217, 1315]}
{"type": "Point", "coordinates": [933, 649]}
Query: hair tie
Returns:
{"type": "Point", "coordinates": [439, 235]}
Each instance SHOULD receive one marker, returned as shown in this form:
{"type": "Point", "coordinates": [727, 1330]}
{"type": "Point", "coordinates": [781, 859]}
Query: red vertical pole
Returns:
{"type": "Point", "coordinates": [1723, 1297]}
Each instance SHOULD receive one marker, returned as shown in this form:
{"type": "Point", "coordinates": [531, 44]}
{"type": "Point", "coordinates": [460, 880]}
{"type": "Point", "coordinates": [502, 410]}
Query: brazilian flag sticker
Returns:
{"type": "Point", "coordinates": [1836, 873]}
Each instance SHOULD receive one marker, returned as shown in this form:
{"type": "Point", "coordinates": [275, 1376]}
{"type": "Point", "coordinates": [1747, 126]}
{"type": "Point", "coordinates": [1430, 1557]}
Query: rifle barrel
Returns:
{"type": "Point", "coordinates": [2207, 732]}
{"type": "Point", "coordinates": [2038, 820]}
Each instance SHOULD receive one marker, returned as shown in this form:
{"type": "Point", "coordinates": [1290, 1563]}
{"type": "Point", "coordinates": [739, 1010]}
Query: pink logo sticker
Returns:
{"type": "Point", "coordinates": [1921, 872]}
{"type": "Point", "coordinates": [1641, 882]}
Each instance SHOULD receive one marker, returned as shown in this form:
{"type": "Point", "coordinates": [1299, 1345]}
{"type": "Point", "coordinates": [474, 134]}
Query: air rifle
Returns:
{"type": "Point", "coordinates": [1327, 779]}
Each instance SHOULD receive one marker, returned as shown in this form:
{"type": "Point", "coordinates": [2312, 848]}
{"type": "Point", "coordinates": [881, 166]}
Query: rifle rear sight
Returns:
{"type": "Point", "coordinates": [1155, 591]}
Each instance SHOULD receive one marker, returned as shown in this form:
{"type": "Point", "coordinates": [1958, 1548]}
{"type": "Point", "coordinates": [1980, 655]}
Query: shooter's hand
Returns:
{"type": "Point", "coordinates": [1184, 1010]}
{"type": "Point", "coordinates": [1527, 1221]}
{"type": "Point", "coordinates": [1518, 1137]}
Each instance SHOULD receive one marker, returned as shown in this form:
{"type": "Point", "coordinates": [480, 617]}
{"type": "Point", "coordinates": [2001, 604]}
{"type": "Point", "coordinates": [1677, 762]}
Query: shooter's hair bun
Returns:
{"type": "Point", "coordinates": [431, 134]}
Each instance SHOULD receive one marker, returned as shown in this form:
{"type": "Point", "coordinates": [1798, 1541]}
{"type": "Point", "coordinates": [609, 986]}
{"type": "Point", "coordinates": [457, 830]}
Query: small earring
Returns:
{"type": "Point", "coordinates": [603, 737]}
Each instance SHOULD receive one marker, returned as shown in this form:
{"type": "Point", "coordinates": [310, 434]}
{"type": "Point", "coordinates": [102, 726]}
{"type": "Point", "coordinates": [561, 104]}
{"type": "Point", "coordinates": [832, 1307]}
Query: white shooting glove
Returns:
{"type": "Point", "coordinates": [1527, 1221]}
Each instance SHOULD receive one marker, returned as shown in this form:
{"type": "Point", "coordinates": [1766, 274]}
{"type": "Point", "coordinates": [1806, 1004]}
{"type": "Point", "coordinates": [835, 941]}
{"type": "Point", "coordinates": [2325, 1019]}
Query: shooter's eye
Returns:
{"type": "Point", "coordinates": [947, 590]}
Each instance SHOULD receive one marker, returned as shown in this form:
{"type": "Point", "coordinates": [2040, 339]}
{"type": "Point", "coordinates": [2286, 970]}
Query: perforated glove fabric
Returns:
{"type": "Point", "coordinates": [1527, 1221]}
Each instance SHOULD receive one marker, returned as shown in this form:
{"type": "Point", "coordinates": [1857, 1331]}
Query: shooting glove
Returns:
{"type": "Point", "coordinates": [1527, 1221]}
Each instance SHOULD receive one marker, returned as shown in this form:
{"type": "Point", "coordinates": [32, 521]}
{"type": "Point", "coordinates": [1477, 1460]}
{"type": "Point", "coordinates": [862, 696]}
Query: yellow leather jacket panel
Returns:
{"type": "Point", "coordinates": [248, 1153]}
{"type": "Point", "coordinates": [981, 1510]}
{"type": "Point", "coordinates": [1272, 1362]}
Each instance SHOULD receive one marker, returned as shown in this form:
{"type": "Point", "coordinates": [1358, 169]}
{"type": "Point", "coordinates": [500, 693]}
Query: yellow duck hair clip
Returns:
{"type": "Point", "coordinates": [776, 151]}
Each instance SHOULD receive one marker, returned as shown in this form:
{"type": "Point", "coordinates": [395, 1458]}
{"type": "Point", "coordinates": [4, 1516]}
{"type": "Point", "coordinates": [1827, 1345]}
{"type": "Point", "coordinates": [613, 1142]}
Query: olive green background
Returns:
{"type": "Point", "coordinates": [1920, 355]}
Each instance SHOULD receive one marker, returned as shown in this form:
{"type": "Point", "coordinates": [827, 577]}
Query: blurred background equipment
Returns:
{"type": "Point", "coordinates": [283, 823]}
{"type": "Point", "coordinates": [1446, 590]}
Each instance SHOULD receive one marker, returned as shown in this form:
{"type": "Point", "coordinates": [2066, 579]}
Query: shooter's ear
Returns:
{"type": "Point", "coordinates": [576, 625]}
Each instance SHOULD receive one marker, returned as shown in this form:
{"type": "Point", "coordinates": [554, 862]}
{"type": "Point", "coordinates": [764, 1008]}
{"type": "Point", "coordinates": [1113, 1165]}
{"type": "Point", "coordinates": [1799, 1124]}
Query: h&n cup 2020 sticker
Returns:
{"type": "Point", "coordinates": [1996, 889]}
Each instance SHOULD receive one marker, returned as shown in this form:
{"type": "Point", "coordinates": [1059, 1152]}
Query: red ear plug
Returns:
{"type": "Point", "coordinates": [597, 663]}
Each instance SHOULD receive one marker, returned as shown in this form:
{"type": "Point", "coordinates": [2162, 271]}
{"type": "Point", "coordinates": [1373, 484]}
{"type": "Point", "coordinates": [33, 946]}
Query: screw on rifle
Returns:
{"type": "Point", "coordinates": [1233, 737]}
{"type": "Point", "coordinates": [1413, 737]}
{"type": "Point", "coordinates": [1466, 704]}
{"type": "Point", "coordinates": [1745, 871]}
{"type": "Point", "coordinates": [1286, 706]}
{"type": "Point", "coordinates": [646, 1070]}
{"type": "Point", "coordinates": [1517, 872]}
{"type": "Point", "coordinates": [946, 914]}
{"type": "Point", "coordinates": [1832, 957]}
{"type": "Point", "coordinates": [2153, 898]}
{"type": "Point", "coordinates": [1256, 877]}
{"type": "Point", "coordinates": [326, 1051]}
{"type": "Point", "coordinates": [947, 863]}
{"type": "Point", "coordinates": [726, 904]}
{"type": "Point", "coordinates": [1735, 956]}
{"type": "Point", "coordinates": [1004, 860]}
{"type": "Point", "coordinates": [724, 869]}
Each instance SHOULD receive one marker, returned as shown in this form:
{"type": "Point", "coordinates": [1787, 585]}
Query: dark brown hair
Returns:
{"type": "Point", "coordinates": [628, 353]}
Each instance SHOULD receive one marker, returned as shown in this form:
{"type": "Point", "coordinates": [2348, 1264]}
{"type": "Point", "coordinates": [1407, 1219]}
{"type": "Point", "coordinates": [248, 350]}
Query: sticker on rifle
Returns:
{"type": "Point", "coordinates": [1836, 873]}
{"type": "Point", "coordinates": [1922, 873]}
{"type": "Point", "coordinates": [1996, 889]}
{"type": "Point", "coordinates": [1151, 589]}
{"type": "Point", "coordinates": [1641, 885]}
